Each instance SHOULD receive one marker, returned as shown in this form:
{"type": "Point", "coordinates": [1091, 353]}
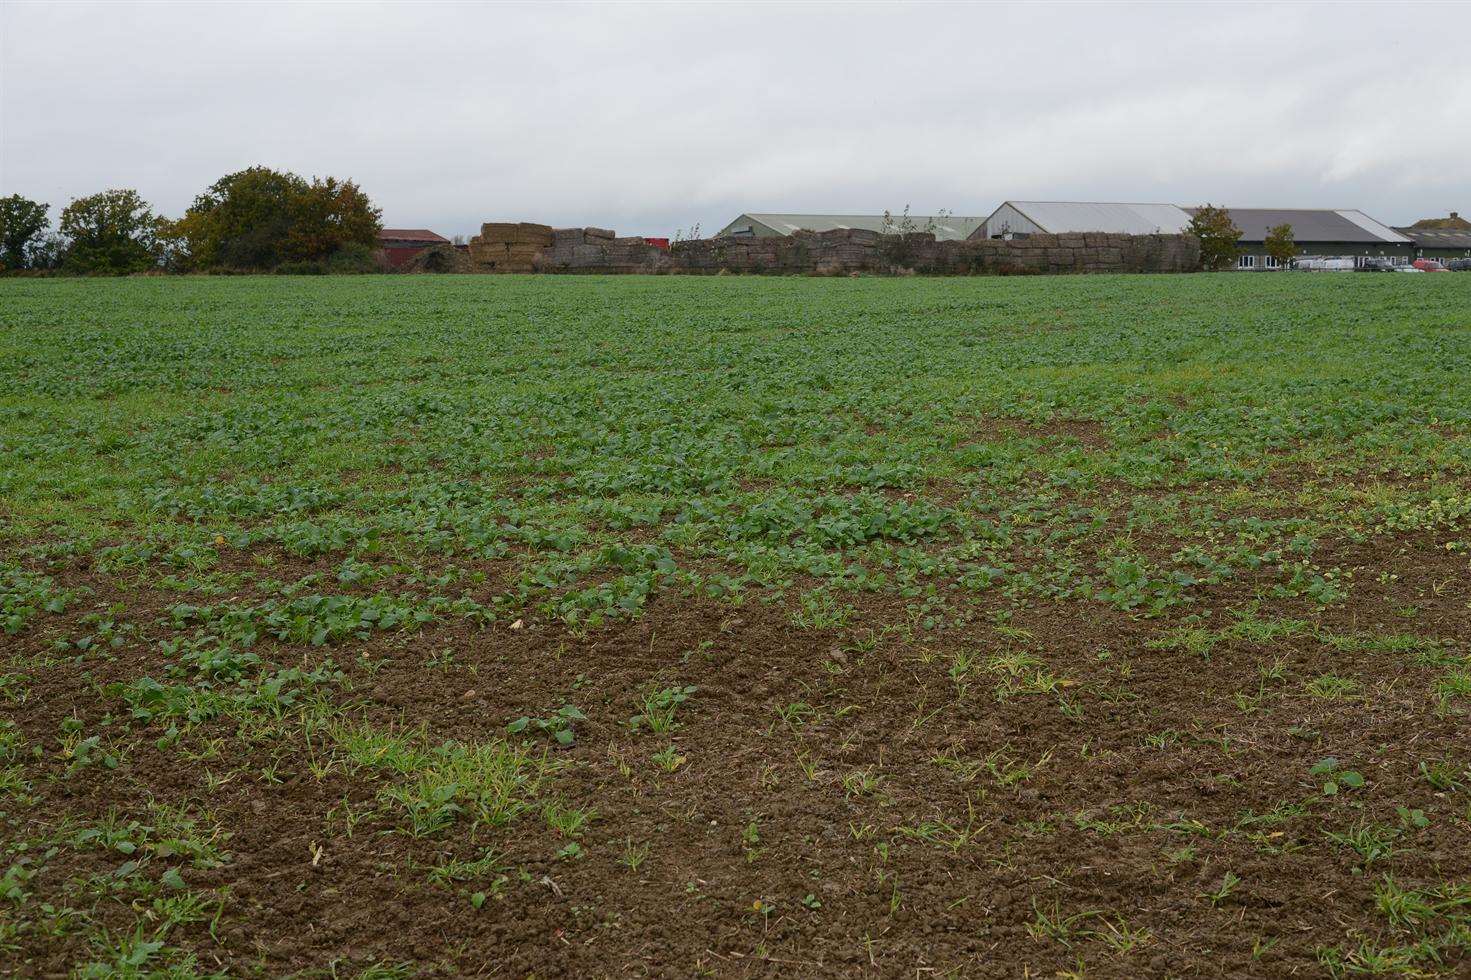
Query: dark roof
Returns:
{"type": "Point", "coordinates": [1314, 225]}
{"type": "Point", "coordinates": [1438, 237]}
{"type": "Point", "coordinates": [411, 235]}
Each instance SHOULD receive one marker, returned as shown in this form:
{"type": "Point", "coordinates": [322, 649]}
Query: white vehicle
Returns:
{"type": "Point", "coordinates": [1320, 264]}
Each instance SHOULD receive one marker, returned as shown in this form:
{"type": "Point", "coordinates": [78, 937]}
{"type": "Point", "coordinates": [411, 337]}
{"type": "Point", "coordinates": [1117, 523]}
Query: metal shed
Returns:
{"type": "Point", "coordinates": [1440, 243]}
{"type": "Point", "coordinates": [753, 225]}
{"type": "Point", "coordinates": [1335, 232]}
{"type": "Point", "coordinates": [1071, 217]}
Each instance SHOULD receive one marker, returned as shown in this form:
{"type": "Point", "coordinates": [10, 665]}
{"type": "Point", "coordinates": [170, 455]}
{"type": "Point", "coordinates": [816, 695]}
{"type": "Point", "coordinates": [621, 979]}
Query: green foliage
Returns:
{"type": "Point", "coordinates": [242, 220]}
{"type": "Point", "coordinates": [1218, 236]}
{"type": "Point", "coordinates": [557, 725]}
{"type": "Point", "coordinates": [1280, 243]}
{"type": "Point", "coordinates": [1335, 779]}
{"type": "Point", "coordinates": [260, 218]}
{"type": "Point", "coordinates": [112, 233]}
{"type": "Point", "coordinates": [251, 524]}
{"type": "Point", "coordinates": [657, 709]}
{"type": "Point", "coordinates": [329, 218]}
{"type": "Point", "coordinates": [22, 222]}
{"type": "Point", "coordinates": [23, 595]}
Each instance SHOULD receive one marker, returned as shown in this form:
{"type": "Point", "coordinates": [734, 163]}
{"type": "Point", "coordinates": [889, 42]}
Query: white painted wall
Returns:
{"type": "Point", "coordinates": [1008, 220]}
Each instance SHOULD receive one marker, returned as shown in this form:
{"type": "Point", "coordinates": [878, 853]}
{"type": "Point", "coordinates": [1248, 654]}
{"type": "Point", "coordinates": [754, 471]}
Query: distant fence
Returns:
{"type": "Point", "coordinates": [525, 247]}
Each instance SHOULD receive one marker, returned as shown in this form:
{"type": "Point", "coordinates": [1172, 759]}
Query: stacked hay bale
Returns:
{"type": "Point", "coordinates": [743, 254]}
{"type": "Point", "coordinates": [600, 250]}
{"type": "Point", "coordinates": [846, 250]}
{"type": "Point", "coordinates": [504, 246]}
{"type": "Point", "coordinates": [633, 254]}
{"type": "Point", "coordinates": [574, 248]}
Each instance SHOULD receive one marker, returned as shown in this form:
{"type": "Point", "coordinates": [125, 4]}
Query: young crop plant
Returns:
{"type": "Point", "coordinates": [558, 725]}
{"type": "Point", "coordinates": [1053, 924]}
{"type": "Point", "coordinates": [634, 855]}
{"type": "Point", "coordinates": [658, 709]}
{"type": "Point", "coordinates": [1331, 687]}
{"type": "Point", "coordinates": [24, 595]}
{"type": "Point", "coordinates": [669, 759]}
{"type": "Point", "coordinates": [566, 820]}
{"type": "Point", "coordinates": [1334, 778]}
{"type": "Point", "coordinates": [1370, 841]}
{"type": "Point", "coordinates": [275, 551]}
{"type": "Point", "coordinates": [1223, 891]}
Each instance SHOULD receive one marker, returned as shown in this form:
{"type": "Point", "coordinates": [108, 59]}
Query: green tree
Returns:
{"type": "Point", "coordinates": [21, 223]}
{"type": "Point", "coordinates": [259, 218]}
{"type": "Point", "coordinates": [112, 234]}
{"type": "Point", "coordinates": [329, 216]}
{"type": "Point", "coordinates": [1218, 236]}
{"type": "Point", "coordinates": [1280, 244]}
{"type": "Point", "coordinates": [171, 247]}
{"type": "Point", "coordinates": [242, 220]}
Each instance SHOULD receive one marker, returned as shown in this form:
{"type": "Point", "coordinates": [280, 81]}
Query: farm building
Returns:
{"type": "Point", "coordinates": [945, 227]}
{"type": "Point", "coordinates": [399, 245]}
{"type": "Point", "coordinates": [1439, 243]}
{"type": "Point", "coordinates": [1318, 232]}
{"type": "Point", "coordinates": [1440, 238]}
{"type": "Point", "coordinates": [1341, 232]}
{"type": "Point", "coordinates": [1019, 218]}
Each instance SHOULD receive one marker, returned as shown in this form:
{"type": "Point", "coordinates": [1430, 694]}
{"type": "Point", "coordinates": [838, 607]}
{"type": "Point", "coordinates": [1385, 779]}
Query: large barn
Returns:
{"type": "Point", "coordinates": [1016, 218]}
{"type": "Point", "coordinates": [1342, 232]}
{"type": "Point", "coordinates": [945, 227]}
{"type": "Point", "coordinates": [1439, 243]}
{"type": "Point", "coordinates": [1440, 238]}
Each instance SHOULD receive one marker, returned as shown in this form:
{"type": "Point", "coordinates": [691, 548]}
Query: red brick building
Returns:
{"type": "Point", "coordinates": [401, 244]}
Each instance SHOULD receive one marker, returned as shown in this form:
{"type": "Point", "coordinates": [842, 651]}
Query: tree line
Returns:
{"type": "Point", "coordinates": [255, 220]}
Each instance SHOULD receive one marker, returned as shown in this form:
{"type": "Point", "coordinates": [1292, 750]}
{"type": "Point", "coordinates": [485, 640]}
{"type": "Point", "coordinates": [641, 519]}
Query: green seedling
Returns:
{"type": "Point", "coordinates": [557, 725]}
{"type": "Point", "coordinates": [1335, 779]}
{"type": "Point", "coordinates": [658, 709]}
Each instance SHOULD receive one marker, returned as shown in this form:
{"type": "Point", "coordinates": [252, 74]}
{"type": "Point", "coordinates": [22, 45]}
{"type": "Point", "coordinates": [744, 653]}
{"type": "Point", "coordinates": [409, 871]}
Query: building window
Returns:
{"type": "Point", "coordinates": [1272, 262]}
{"type": "Point", "coordinates": [1246, 262]}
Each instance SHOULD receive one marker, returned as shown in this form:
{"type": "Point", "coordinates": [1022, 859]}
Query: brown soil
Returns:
{"type": "Point", "coordinates": [799, 849]}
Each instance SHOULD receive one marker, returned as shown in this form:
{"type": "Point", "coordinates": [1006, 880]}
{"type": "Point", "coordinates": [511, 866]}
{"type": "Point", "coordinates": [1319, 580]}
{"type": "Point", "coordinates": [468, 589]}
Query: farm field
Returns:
{"type": "Point", "coordinates": [576, 626]}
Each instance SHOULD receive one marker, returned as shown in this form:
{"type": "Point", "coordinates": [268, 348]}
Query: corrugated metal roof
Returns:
{"type": "Point", "coordinates": [1314, 225]}
{"type": "Point", "coordinates": [1065, 217]}
{"type": "Point", "coordinates": [945, 228]}
{"type": "Point", "coordinates": [1438, 237]}
{"type": "Point", "coordinates": [1373, 227]}
{"type": "Point", "coordinates": [410, 235]}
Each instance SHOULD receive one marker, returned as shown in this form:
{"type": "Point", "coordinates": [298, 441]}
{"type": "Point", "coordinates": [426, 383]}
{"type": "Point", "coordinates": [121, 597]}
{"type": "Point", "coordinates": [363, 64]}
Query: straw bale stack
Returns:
{"type": "Point", "coordinates": [504, 246]}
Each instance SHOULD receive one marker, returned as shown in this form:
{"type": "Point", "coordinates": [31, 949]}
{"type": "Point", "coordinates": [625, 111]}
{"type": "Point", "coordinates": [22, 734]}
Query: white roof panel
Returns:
{"type": "Point", "coordinates": [1063, 217]}
{"type": "Point", "coordinates": [1373, 227]}
{"type": "Point", "coordinates": [944, 226]}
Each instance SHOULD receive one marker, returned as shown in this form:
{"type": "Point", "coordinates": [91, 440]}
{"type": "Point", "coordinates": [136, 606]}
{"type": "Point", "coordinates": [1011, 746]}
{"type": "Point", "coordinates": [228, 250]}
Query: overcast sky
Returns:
{"type": "Point", "coordinates": [649, 118]}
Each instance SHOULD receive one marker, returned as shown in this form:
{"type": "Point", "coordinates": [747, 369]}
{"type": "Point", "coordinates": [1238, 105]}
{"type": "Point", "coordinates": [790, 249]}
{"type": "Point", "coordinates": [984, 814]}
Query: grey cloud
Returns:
{"type": "Point", "coordinates": [649, 118]}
